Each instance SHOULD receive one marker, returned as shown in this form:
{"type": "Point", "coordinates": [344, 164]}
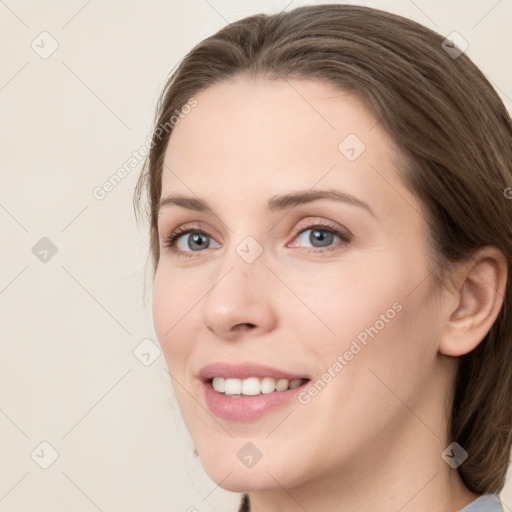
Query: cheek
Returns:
{"type": "Point", "coordinates": [172, 303]}
{"type": "Point", "coordinates": [339, 302]}
{"type": "Point", "coordinates": [372, 308]}
{"type": "Point", "coordinates": [389, 353]}
{"type": "Point", "coordinates": [163, 307]}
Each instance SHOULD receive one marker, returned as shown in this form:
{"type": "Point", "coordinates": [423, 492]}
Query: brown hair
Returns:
{"type": "Point", "coordinates": [455, 137]}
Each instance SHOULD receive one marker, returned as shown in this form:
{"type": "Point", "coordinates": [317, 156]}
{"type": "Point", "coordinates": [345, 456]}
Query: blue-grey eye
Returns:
{"type": "Point", "coordinates": [194, 241]}
{"type": "Point", "coordinates": [318, 238]}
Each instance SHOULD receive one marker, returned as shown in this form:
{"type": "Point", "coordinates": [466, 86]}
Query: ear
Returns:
{"type": "Point", "coordinates": [476, 300]}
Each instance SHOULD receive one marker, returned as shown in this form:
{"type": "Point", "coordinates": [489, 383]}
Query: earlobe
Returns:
{"type": "Point", "coordinates": [478, 296]}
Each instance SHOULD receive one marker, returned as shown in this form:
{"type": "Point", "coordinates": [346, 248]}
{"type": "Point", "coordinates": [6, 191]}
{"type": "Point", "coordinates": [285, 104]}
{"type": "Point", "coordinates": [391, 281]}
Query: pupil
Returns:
{"type": "Point", "coordinates": [320, 236]}
{"type": "Point", "coordinates": [196, 239]}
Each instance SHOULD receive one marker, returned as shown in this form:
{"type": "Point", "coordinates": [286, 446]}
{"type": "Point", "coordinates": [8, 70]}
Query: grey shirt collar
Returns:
{"type": "Point", "coordinates": [486, 503]}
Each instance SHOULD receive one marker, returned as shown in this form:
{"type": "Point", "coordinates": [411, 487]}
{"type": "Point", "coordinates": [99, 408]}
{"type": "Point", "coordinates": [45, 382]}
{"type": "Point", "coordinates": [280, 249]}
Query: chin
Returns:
{"type": "Point", "coordinates": [240, 479]}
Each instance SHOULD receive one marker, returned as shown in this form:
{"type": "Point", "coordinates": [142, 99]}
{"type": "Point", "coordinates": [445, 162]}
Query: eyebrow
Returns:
{"type": "Point", "coordinates": [274, 204]}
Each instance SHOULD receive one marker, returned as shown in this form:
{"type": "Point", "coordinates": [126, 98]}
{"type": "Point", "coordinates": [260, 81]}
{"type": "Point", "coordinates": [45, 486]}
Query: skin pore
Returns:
{"type": "Point", "coordinates": [372, 438]}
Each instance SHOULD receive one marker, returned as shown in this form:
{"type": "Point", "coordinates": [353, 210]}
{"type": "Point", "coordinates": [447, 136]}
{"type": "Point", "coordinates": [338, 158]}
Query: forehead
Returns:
{"type": "Point", "coordinates": [254, 138]}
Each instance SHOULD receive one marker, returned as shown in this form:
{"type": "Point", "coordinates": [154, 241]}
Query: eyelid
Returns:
{"type": "Point", "coordinates": [196, 226]}
{"type": "Point", "coordinates": [323, 224]}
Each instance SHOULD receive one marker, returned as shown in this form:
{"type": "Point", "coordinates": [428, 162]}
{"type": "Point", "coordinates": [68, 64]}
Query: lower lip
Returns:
{"type": "Point", "coordinates": [246, 408]}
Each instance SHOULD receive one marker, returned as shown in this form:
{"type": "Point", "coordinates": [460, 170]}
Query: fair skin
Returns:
{"type": "Point", "coordinates": [372, 438]}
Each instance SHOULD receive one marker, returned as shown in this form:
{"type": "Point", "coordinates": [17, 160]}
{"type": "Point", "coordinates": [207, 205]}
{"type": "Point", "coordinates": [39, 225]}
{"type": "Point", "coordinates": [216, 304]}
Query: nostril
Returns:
{"type": "Point", "coordinates": [244, 326]}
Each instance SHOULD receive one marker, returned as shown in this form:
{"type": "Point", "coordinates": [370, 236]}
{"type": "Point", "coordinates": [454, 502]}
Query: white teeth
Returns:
{"type": "Point", "coordinates": [233, 386]}
{"type": "Point", "coordinates": [268, 385]}
{"type": "Point", "coordinates": [219, 384]}
{"type": "Point", "coordinates": [253, 385]}
{"type": "Point", "coordinates": [282, 384]}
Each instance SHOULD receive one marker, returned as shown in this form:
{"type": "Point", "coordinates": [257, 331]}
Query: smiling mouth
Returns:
{"type": "Point", "coordinates": [253, 386]}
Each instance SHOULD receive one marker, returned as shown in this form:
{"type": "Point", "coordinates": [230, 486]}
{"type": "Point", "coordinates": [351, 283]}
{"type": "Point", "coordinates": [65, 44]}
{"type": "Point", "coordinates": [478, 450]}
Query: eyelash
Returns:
{"type": "Point", "coordinates": [345, 238]}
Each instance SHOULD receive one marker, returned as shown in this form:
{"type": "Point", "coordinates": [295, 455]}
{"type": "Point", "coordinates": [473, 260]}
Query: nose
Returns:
{"type": "Point", "coordinates": [240, 300]}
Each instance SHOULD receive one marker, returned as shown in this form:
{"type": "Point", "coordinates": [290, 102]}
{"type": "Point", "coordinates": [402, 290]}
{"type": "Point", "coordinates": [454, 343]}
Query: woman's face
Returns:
{"type": "Point", "coordinates": [334, 290]}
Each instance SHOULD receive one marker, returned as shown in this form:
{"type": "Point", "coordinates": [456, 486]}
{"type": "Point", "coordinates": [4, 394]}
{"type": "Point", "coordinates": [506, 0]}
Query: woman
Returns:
{"type": "Point", "coordinates": [331, 238]}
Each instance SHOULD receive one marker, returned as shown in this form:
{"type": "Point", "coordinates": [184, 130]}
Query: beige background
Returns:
{"type": "Point", "coordinates": [69, 325]}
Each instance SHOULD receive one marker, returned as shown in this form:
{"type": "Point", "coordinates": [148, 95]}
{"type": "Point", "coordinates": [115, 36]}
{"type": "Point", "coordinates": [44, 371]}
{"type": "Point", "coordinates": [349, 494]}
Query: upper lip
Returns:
{"type": "Point", "coordinates": [244, 371]}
